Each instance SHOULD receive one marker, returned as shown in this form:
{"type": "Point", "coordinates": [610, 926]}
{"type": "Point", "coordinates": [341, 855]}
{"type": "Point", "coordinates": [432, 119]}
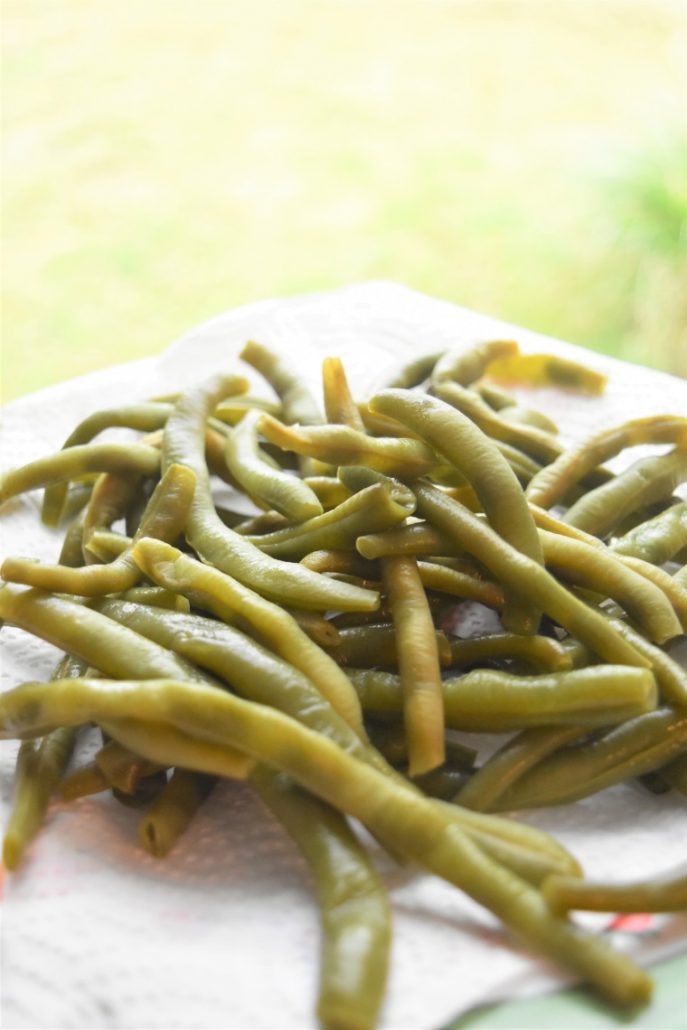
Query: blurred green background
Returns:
{"type": "Point", "coordinates": [167, 160]}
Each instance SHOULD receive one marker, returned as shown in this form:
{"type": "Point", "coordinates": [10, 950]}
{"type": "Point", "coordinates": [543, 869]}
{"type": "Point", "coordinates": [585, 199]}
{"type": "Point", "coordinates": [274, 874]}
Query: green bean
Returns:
{"type": "Point", "coordinates": [82, 782]}
{"type": "Point", "coordinates": [89, 636]}
{"type": "Point", "coordinates": [77, 461]}
{"type": "Point", "coordinates": [357, 477]}
{"type": "Point", "coordinates": [214, 542]}
{"type": "Point", "coordinates": [354, 906]}
{"type": "Point", "coordinates": [671, 677]}
{"type": "Point", "coordinates": [544, 653]}
{"type": "Point", "coordinates": [548, 370]}
{"type": "Point", "coordinates": [339, 406]}
{"type": "Point", "coordinates": [465, 447]}
{"type": "Point", "coordinates": [417, 538]}
{"type": "Point", "coordinates": [39, 768]}
{"type": "Point", "coordinates": [265, 522]}
{"type": "Point", "coordinates": [657, 540]}
{"type": "Point", "coordinates": [664, 893]}
{"type": "Point", "coordinates": [680, 577]}
{"type": "Point", "coordinates": [167, 745]}
{"type": "Point", "coordinates": [530, 417]}
{"type": "Point", "coordinates": [340, 560]}
{"type": "Point", "coordinates": [157, 597]}
{"type": "Point", "coordinates": [341, 445]}
{"type": "Point", "coordinates": [417, 827]}
{"type": "Point", "coordinates": [377, 645]}
{"type": "Point", "coordinates": [598, 570]}
{"type": "Point", "coordinates": [329, 491]}
{"type": "Point", "coordinates": [164, 517]}
{"type": "Point", "coordinates": [649, 479]}
{"type": "Point", "coordinates": [465, 365]}
{"type": "Point", "coordinates": [676, 594]}
{"type": "Point", "coordinates": [122, 768]}
{"type": "Point", "coordinates": [639, 745]}
{"type": "Point", "coordinates": [261, 480]}
{"type": "Point", "coordinates": [513, 568]}
{"type": "Point", "coordinates": [413, 372]}
{"type": "Point", "coordinates": [71, 552]}
{"type": "Point", "coordinates": [172, 811]}
{"type": "Point", "coordinates": [460, 584]}
{"type": "Point", "coordinates": [377, 424]}
{"type": "Point", "coordinates": [490, 701]}
{"type": "Point", "coordinates": [298, 404]}
{"type": "Point", "coordinates": [321, 630]}
{"type": "Point", "coordinates": [145, 416]}
{"type": "Point", "coordinates": [234, 409]}
{"type": "Point", "coordinates": [570, 467]}
{"type": "Point", "coordinates": [524, 467]}
{"type": "Point", "coordinates": [418, 664]}
{"type": "Point", "coordinates": [227, 598]}
{"type": "Point", "coordinates": [375, 508]}
{"type": "Point", "coordinates": [512, 761]}
{"type": "Point", "coordinates": [111, 498]}
{"type": "Point", "coordinates": [494, 396]}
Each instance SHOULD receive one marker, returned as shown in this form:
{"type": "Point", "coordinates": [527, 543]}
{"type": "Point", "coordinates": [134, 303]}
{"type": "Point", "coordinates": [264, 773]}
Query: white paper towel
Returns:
{"type": "Point", "coordinates": [223, 933]}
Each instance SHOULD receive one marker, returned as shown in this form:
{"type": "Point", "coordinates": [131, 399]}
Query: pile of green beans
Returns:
{"type": "Point", "coordinates": [308, 648]}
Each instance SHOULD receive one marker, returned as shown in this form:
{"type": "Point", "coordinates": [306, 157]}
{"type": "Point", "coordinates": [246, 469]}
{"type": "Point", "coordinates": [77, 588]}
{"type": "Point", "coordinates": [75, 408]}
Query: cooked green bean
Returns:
{"type": "Point", "coordinates": [340, 560]}
{"type": "Point", "coordinates": [490, 701]}
{"type": "Point", "coordinates": [494, 396]}
{"type": "Point", "coordinates": [664, 893]}
{"type": "Point", "coordinates": [680, 577]}
{"type": "Point", "coordinates": [460, 584]}
{"type": "Point", "coordinates": [125, 459]}
{"type": "Point", "coordinates": [123, 768]}
{"type": "Point", "coordinates": [298, 404]}
{"type": "Point", "coordinates": [544, 653]}
{"type": "Point", "coordinates": [513, 568]}
{"type": "Point", "coordinates": [548, 370]}
{"type": "Point", "coordinates": [598, 570]}
{"type": "Point", "coordinates": [415, 826]}
{"type": "Point", "coordinates": [570, 467]}
{"type": "Point", "coordinates": [648, 480]}
{"type": "Point", "coordinates": [341, 445]}
{"type": "Point", "coordinates": [375, 508]}
{"type": "Point", "coordinates": [639, 745]}
{"type": "Point", "coordinates": [465, 447]}
{"type": "Point", "coordinates": [512, 761]}
{"type": "Point", "coordinates": [657, 540]}
{"type": "Point", "coordinates": [213, 541]}
{"type": "Point", "coordinates": [111, 498]}
{"type": "Point", "coordinates": [173, 810]}
{"type": "Point", "coordinates": [260, 479]}
{"type": "Point", "coordinates": [164, 517]}
{"type": "Point", "coordinates": [413, 372]}
{"type": "Point", "coordinates": [89, 636]}
{"type": "Point", "coordinates": [82, 782]}
{"type": "Point", "coordinates": [321, 630]}
{"type": "Point", "coordinates": [465, 365]}
{"type": "Point", "coordinates": [417, 538]}
{"type": "Point", "coordinates": [39, 767]}
{"type": "Point", "coordinates": [339, 405]}
{"type": "Point", "coordinates": [377, 645]}
{"type": "Point", "coordinates": [676, 594]}
{"type": "Point", "coordinates": [529, 417]}
{"type": "Point", "coordinates": [671, 677]}
{"type": "Point", "coordinates": [227, 598]}
{"type": "Point", "coordinates": [354, 906]}
{"type": "Point", "coordinates": [234, 409]}
{"type": "Point", "coordinates": [418, 664]}
{"type": "Point", "coordinates": [329, 491]}
{"type": "Point", "coordinates": [158, 597]}
{"type": "Point", "coordinates": [71, 552]}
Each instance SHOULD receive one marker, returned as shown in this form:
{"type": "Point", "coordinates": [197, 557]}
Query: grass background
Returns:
{"type": "Point", "coordinates": [164, 161]}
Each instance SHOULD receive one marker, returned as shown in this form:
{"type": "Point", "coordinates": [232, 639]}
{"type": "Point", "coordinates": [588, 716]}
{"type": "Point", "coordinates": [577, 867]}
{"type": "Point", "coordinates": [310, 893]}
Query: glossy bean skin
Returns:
{"type": "Point", "coordinates": [665, 893]}
{"type": "Point", "coordinates": [490, 701]}
{"type": "Point", "coordinates": [339, 406]}
{"type": "Point", "coordinates": [260, 479]}
{"type": "Point", "coordinates": [548, 370]}
{"type": "Point", "coordinates": [648, 480]}
{"type": "Point", "coordinates": [173, 810]}
{"type": "Point", "coordinates": [418, 664]}
{"type": "Point", "coordinates": [657, 540]}
{"type": "Point", "coordinates": [465, 364]}
{"type": "Point", "coordinates": [354, 906]}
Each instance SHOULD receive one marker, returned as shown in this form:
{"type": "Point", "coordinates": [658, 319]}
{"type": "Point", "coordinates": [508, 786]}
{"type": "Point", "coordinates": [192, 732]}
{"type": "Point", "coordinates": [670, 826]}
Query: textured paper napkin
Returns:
{"type": "Point", "coordinates": [223, 933]}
